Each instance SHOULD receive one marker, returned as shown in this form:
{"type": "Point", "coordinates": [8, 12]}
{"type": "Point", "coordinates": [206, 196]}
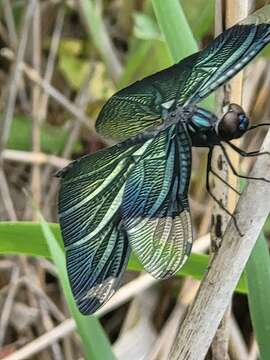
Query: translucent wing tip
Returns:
{"type": "Point", "coordinates": [167, 274]}
{"type": "Point", "coordinates": [96, 297]}
{"type": "Point", "coordinates": [88, 306]}
{"type": "Point", "coordinates": [90, 289]}
{"type": "Point", "coordinates": [95, 270]}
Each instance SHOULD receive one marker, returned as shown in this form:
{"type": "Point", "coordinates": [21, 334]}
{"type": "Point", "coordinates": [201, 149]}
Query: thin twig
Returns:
{"type": "Point", "coordinates": [67, 326]}
{"type": "Point", "coordinates": [81, 102]}
{"type": "Point", "coordinates": [35, 179]}
{"type": "Point", "coordinates": [7, 307]}
{"type": "Point", "coordinates": [166, 338]}
{"type": "Point", "coordinates": [48, 326]}
{"type": "Point", "coordinates": [5, 124]}
{"type": "Point", "coordinates": [13, 40]}
{"type": "Point", "coordinates": [9, 19]}
{"type": "Point", "coordinates": [5, 194]}
{"type": "Point", "coordinates": [34, 76]}
{"type": "Point", "coordinates": [49, 304]}
{"type": "Point", "coordinates": [237, 346]}
{"type": "Point", "coordinates": [43, 341]}
{"type": "Point", "coordinates": [24, 281]}
{"type": "Point", "coordinates": [28, 157]}
{"type": "Point", "coordinates": [59, 22]}
{"type": "Point", "coordinates": [91, 14]}
{"type": "Point", "coordinates": [16, 74]}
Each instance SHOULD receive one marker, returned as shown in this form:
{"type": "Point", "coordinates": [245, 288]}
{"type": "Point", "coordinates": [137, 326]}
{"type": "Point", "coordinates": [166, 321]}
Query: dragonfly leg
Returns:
{"type": "Point", "coordinates": [235, 172]}
{"type": "Point", "coordinates": [247, 154]}
{"type": "Point", "coordinates": [224, 181]}
{"type": "Point", "coordinates": [208, 188]}
{"type": "Point", "coordinates": [258, 125]}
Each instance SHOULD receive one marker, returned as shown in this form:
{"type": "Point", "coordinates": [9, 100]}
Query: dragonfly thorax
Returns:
{"type": "Point", "coordinates": [201, 128]}
{"type": "Point", "coordinates": [206, 130]}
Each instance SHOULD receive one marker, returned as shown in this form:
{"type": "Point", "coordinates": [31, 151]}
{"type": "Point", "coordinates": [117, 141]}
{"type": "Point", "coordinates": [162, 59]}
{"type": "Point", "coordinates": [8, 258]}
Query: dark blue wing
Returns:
{"type": "Point", "coordinates": [155, 209]}
{"type": "Point", "coordinates": [145, 103]}
{"type": "Point", "coordinates": [225, 57]}
{"type": "Point", "coordinates": [95, 236]}
{"type": "Point", "coordinates": [96, 250]}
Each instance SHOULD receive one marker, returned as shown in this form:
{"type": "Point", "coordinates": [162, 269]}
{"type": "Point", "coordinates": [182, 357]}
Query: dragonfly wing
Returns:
{"type": "Point", "coordinates": [145, 103]}
{"type": "Point", "coordinates": [155, 208]}
{"type": "Point", "coordinates": [225, 57]}
{"type": "Point", "coordinates": [96, 250]}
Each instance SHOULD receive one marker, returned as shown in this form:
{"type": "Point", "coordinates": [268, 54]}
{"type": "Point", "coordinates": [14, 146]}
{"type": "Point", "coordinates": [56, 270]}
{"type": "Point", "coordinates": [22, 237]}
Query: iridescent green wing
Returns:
{"type": "Point", "coordinates": [96, 245]}
{"type": "Point", "coordinates": [97, 251]}
{"type": "Point", "coordinates": [155, 208]}
{"type": "Point", "coordinates": [225, 57]}
{"type": "Point", "coordinates": [145, 103]}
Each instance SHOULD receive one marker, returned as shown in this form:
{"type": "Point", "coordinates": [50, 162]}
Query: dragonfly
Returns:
{"type": "Point", "coordinates": [134, 194]}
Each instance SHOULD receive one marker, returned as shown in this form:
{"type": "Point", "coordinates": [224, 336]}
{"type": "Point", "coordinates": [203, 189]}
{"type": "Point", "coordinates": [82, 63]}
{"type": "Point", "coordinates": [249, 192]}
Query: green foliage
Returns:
{"type": "Point", "coordinates": [257, 274]}
{"type": "Point", "coordinates": [74, 69]}
{"type": "Point", "coordinates": [27, 238]}
{"type": "Point", "coordinates": [200, 16]}
{"type": "Point", "coordinates": [266, 227]}
{"type": "Point", "coordinates": [139, 64]}
{"type": "Point", "coordinates": [150, 43]}
{"type": "Point", "coordinates": [146, 28]}
{"type": "Point", "coordinates": [176, 31]}
{"type": "Point", "coordinates": [75, 66]}
{"type": "Point", "coordinates": [53, 138]}
{"type": "Point", "coordinates": [258, 280]}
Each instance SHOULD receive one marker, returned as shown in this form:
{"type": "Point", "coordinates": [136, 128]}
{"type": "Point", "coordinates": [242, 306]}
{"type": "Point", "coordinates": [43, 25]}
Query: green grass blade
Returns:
{"type": "Point", "coordinates": [138, 66]}
{"type": "Point", "coordinates": [53, 138]}
{"type": "Point", "coordinates": [177, 33]}
{"type": "Point", "coordinates": [92, 13]}
{"type": "Point", "coordinates": [258, 280]}
{"type": "Point", "coordinates": [95, 343]}
{"type": "Point", "coordinates": [175, 28]}
{"type": "Point", "coordinates": [27, 238]}
{"type": "Point", "coordinates": [200, 15]}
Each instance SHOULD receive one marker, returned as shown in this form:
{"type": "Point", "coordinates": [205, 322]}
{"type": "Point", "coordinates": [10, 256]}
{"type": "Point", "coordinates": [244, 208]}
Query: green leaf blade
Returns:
{"type": "Point", "coordinates": [14, 239]}
{"type": "Point", "coordinates": [258, 280]}
{"type": "Point", "coordinates": [176, 30]}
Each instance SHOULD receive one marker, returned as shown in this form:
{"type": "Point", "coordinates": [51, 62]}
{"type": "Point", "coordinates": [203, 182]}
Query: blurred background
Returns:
{"type": "Point", "coordinates": [59, 63]}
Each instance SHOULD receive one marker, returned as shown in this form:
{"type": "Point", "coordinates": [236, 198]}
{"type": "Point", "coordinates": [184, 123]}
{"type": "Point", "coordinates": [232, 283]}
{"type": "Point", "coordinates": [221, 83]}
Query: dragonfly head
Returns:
{"type": "Point", "coordinates": [233, 124]}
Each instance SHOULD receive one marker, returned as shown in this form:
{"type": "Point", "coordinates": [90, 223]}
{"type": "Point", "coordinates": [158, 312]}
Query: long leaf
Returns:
{"type": "Point", "coordinates": [177, 33]}
{"type": "Point", "coordinates": [258, 280]}
{"type": "Point", "coordinates": [28, 238]}
{"type": "Point", "coordinates": [94, 340]}
{"type": "Point", "coordinates": [92, 14]}
{"type": "Point", "coordinates": [175, 28]}
{"type": "Point", "coordinates": [138, 66]}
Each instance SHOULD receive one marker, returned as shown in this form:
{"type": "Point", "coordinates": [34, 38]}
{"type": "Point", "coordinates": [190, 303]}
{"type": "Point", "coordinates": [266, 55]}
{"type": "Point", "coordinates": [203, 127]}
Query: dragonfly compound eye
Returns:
{"type": "Point", "coordinates": [233, 124]}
